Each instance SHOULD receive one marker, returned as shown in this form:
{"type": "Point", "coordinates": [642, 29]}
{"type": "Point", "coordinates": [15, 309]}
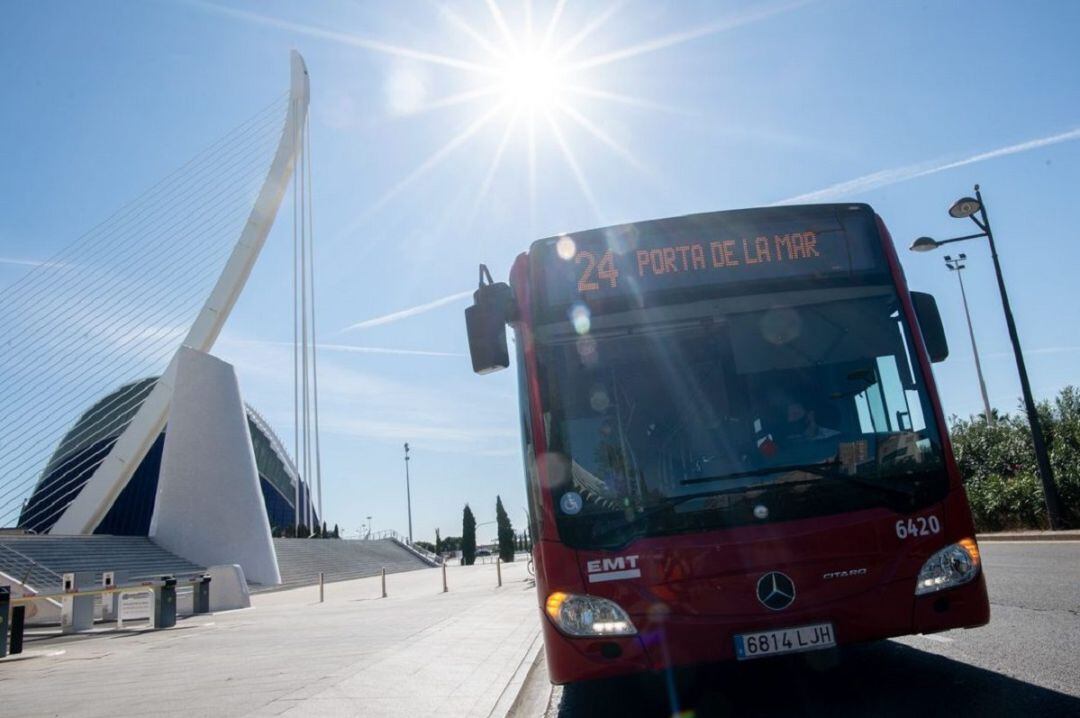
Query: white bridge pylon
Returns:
{"type": "Point", "coordinates": [84, 514]}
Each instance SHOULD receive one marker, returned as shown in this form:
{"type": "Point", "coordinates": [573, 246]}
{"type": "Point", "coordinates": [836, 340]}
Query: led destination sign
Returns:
{"type": "Point", "coordinates": [721, 248]}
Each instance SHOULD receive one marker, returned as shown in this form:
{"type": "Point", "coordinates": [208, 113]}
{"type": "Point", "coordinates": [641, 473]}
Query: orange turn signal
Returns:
{"type": "Point", "coordinates": [554, 603]}
{"type": "Point", "coordinates": [972, 548]}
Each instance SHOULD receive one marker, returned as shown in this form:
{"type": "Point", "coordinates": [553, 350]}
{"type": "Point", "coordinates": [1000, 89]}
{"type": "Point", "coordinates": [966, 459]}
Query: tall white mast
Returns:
{"type": "Point", "coordinates": [92, 503]}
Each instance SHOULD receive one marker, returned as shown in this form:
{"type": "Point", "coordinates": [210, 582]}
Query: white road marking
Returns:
{"type": "Point", "coordinates": [939, 639]}
{"type": "Point", "coordinates": [1050, 542]}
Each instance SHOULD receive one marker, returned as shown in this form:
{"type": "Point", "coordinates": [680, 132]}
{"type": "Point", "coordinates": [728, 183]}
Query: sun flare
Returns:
{"type": "Point", "coordinates": [535, 69]}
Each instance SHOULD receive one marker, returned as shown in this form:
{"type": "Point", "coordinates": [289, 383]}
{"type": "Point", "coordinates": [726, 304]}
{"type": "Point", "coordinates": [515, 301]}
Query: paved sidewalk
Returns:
{"type": "Point", "coordinates": [418, 652]}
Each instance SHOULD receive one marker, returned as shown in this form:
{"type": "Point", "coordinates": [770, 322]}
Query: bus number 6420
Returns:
{"type": "Point", "coordinates": [919, 526]}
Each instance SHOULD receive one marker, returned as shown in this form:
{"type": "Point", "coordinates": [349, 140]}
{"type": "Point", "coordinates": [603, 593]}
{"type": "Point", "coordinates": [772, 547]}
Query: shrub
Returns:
{"type": "Point", "coordinates": [999, 471]}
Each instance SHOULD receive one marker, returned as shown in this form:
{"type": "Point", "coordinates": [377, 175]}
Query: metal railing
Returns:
{"type": "Point", "coordinates": [24, 569]}
{"type": "Point", "coordinates": [405, 543]}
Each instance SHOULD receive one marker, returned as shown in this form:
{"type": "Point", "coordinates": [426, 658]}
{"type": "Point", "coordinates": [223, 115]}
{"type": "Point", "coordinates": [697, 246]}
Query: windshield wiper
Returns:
{"type": "Point", "coordinates": [824, 469]}
{"type": "Point", "coordinates": [669, 502]}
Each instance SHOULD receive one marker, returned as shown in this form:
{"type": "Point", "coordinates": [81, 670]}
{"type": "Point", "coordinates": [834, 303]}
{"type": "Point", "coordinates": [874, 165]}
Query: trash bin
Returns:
{"type": "Point", "coordinates": [5, 604]}
{"type": "Point", "coordinates": [165, 603]}
{"type": "Point", "coordinates": [201, 597]}
{"type": "Point", "coordinates": [18, 624]}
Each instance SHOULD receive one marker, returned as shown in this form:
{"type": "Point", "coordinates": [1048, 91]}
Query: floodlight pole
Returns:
{"type": "Point", "coordinates": [1042, 457]}
{"type": "Point", "coordinates": [958, 266]}
{"type": "Point", "coordinates": [408, 491]}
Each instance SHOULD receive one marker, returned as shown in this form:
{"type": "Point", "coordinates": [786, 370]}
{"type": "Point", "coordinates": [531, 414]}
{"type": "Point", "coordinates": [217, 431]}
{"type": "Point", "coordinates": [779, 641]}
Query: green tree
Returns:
{"type": "Point", "coordinates": [505, 530]}
{"type": "Point", "coordinates": [468, 537]}
{"type": "Point", "coordinates": [438, 542]}
{"type": "Point", "coordinates": [426, 545]}
{"type": "Point", "coordinates": [302, 531]}
{"type": "Point", "coordinates": [337, 532]}
{"type": "Point", "coordinates": [450, 544]}
{"type": "Point", "coordinates": [997, 464]}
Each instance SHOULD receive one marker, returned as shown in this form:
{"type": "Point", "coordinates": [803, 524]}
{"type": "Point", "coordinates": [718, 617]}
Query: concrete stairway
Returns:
{"type": "Point", "coordinates": [301, 560]}
{"type": "Point", "coordinates": [127, 555]}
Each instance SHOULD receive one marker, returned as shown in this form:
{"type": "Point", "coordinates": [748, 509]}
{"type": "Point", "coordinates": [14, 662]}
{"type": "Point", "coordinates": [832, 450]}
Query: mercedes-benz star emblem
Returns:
{"type": "Point", "coordinates": [775, 591]}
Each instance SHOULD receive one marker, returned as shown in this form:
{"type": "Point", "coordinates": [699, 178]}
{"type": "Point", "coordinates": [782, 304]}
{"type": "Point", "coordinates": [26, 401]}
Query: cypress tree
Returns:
{"type": "Point", "coordinates": [468, 537]}
{"type": "Point", "coordinates": [438, 542]}
{"type": "Point", "coordinates": [506, 532]}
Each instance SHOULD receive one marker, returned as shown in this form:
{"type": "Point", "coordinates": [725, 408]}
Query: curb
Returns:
{"type": "Point", "coordinates": [511, 695]}
{"type": "Point", "coordinates": [1028, 536]}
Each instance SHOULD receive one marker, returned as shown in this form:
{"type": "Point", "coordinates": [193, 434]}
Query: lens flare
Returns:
{"type": "Point", "coordinates": [581, 318]}
{"type": "Point", "coordinates": [566, 248]}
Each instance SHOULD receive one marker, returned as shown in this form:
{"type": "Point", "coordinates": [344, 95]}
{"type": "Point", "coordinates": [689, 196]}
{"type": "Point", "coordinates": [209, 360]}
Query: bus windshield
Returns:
{"type": "Point", "coordinates": [737, 411]}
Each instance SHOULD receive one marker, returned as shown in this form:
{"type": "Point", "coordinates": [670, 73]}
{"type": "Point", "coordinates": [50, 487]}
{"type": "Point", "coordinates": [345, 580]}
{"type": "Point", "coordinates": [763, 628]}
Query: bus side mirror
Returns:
{"type": "Point", "coordinates": [933, 332]}
{"type": "Point", "coordinates": [485, 321]}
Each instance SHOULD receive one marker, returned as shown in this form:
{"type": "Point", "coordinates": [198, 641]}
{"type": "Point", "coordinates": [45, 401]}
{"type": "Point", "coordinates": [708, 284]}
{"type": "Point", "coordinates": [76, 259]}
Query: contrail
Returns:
{"type": "Point", "coordinates": [22, 262]}
{"type": "Point", "coordinates": [884, 178]}
{"type": "Point", "coordinates": [406, 313]}
{"type": "Point", "coordinates": [354, 349]}
{"type": "Point", "coordinates": [386, 350]}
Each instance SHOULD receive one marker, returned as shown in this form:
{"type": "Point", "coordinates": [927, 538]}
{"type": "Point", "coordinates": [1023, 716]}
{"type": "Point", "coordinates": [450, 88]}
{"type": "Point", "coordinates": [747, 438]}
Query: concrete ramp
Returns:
{"type": "Point", "coordinates": [301, 560]}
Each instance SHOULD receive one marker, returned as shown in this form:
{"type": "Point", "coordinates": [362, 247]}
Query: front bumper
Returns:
{"type": "Point", "coordinates": [666, 639]}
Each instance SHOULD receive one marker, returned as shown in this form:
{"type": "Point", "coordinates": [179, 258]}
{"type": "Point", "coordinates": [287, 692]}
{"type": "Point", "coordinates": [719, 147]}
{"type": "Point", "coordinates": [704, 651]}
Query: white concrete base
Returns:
{"type": "Point", "coordinates": [228, 589]}
{"type": "Point", "coordinates": [209, 507]}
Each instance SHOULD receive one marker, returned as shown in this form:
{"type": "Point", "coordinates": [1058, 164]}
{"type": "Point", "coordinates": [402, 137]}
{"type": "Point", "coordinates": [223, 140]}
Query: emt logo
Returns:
{"type": "Point", "coordinates": [613, 569]}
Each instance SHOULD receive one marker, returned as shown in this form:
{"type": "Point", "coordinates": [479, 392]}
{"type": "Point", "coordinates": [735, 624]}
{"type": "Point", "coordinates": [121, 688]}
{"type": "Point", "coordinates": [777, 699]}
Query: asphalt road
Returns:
{"type": "Point", "coordinates": [1026, 662]}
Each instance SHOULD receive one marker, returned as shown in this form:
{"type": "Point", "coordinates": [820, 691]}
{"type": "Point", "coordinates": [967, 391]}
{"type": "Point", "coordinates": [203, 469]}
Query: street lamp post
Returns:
{"type": "Point", "coordinates": [974, 209]}
{"type": "Point", "coordinates": [408, 491]}
{"type": "Point", "coordinates": [958, 265]}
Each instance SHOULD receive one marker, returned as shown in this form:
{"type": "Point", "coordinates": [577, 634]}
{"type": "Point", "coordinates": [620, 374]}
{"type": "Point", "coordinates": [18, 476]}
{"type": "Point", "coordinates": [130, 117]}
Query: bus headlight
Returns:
{"type": "Point", "coordinates": [577, 615]}
{"type": "Point", "coordinates": [954, 565]}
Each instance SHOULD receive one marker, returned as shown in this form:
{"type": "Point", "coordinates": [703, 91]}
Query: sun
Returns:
{"type": "Point", "coordinates": [533, 81]}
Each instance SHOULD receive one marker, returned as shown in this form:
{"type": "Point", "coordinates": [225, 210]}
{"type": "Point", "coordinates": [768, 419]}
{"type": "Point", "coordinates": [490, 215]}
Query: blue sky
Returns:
{"type": "Point", "coordinates": [690, 106]}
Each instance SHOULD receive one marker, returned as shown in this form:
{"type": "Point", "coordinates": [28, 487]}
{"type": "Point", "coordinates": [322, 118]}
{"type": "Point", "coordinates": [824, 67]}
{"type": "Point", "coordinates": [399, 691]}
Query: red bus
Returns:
{"type": "Point", "coordinates": [733, 443]}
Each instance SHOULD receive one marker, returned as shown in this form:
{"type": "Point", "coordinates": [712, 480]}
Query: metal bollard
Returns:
{"type": "Point", "coordinates": [320, 586]}
{"type": "Point", "coordinates": [108, 600]}
{"type": "Point", "coordinates": [165, 603]}
{"type": "Point", "coordinates": [18, 624]}
{"type": "Point", "coordinates": [498, 570]}
{"type": "Point", "coordinates": [444, 588]}
{"type": "Point", "coordinates": [5, 604]}
{"type": "Point", "coordinates": [384, 583]}
{"type": "Point", "coordinates": [76, 611]}
{"type": "Point", "coordinates": [200, 602]}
